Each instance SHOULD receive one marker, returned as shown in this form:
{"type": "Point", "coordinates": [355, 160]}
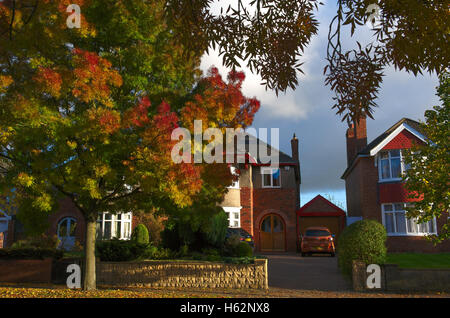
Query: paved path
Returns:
{"type": "Point", "coordinates": [291, 271]}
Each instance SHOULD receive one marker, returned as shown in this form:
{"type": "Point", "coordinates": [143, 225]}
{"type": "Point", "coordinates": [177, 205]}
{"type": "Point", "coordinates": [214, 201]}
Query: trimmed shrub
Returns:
{"type": "Point", "coordinates": [363, 240]}
{"type": "Point", "coordinates": [30, 253]}
{"type": "Point", "coordinates": [120, 251]}
{"type": "Point", "coordinates": [124, 251]}
{"type": "Point", "coordinates": [140, 234]}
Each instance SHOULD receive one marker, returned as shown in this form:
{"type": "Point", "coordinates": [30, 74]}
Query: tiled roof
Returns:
{"type": "Point", "coordinates": [412, 123]}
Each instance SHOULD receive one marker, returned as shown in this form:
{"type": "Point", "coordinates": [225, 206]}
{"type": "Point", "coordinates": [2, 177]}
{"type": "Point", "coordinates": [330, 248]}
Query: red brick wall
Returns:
{"type": "Point", "coordinates": [26, 271]}
{"type": "Point", "coordinates": [247, 209]}
{"type": "Point", "coordinates": [281, 202]}
{"type": "Point", "coordinates": [362, 190]}
{"type": "Point", "coordinates": [393, 192]}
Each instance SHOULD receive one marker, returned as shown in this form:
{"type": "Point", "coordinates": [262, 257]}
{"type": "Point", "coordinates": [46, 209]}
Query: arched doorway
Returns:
{"type": "Point", "coordinates": [272, 234]}
{"type": "Point", "coordinates": [66, 233]}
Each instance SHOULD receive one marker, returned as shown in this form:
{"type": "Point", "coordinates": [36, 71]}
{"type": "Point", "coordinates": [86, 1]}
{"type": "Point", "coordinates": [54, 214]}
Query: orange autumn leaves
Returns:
{"type": "Point", "coordinates": [220, 104]}
{"type": "Point", "coordinates": [93, 78]}
{"type": "Point", "coordinates": [91, 81]}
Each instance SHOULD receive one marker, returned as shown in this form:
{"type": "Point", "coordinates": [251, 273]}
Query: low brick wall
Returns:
{"type": "Point", "coordinates": [397, 279]}
{"type": "Point", "coordinates": [183, 274]}
{"type": "Point", "coordinates": [26, 271]}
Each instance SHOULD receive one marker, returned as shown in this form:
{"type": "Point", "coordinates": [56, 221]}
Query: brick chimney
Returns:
{"type": "Point", "coordinates": [356, 139]}
{"type": "Point", "coordinates": [295, 156]}
{"type": "Point", "coordinates": [294, 148]}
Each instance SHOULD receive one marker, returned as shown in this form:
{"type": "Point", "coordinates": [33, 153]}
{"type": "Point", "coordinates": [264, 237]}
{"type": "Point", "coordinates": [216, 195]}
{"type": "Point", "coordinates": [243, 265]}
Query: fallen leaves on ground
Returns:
{"type": "Point", "coordinates": [56, 291]}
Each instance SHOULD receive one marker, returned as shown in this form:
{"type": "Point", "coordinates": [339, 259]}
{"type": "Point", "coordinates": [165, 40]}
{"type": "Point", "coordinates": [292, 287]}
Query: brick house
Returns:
{"type": "Point", "coordinates": [375, 189]}
{"type": "Point", "coordinates": [264, 200]}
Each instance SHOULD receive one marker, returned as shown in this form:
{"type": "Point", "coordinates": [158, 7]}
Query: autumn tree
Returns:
{"type": "Point", "coordinates": [427, 179]}
{"type": "Point", "coordinates": [87, 113]}
{"type": "Point", "coordinates": [270, 37]}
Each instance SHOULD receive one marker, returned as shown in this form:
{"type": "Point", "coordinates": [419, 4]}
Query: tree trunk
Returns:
{"type": "Point", "coordinates": [89, 259]}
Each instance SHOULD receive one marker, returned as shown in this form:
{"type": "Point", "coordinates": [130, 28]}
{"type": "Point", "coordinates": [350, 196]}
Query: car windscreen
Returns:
{"type": "Point", "coordinates": [317, 233]}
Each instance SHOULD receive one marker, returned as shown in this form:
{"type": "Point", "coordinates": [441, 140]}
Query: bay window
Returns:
{"type": "Point", "coordinates": [396, 223]}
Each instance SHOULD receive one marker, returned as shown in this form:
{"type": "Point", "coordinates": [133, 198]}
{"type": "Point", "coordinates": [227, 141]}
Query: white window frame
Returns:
{"type": "Point", "coordinates": [125, 218]}
{"type": "Point", "coordinates": [265, 171]}
{"type": "Point", "coordinates": [231, 213]}
{"type": "Point", "coordinates": [402, 166]}
{"type": "Point", "coordinates": [406, 233]}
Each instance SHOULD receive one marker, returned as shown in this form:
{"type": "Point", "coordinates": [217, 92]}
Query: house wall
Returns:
{"type": "Point", "coordinates": [362, 190]}
{"type": "Point", "coordinates": [365, 194]}
{"type": "Point", "coordinates": [280, 202]}
{"type": "Point", "coordinates": [232, 198]}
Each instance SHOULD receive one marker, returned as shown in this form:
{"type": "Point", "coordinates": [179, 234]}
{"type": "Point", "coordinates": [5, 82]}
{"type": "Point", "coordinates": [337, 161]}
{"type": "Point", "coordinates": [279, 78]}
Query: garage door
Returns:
{"type": "Point", "coordinates": [330, 222]}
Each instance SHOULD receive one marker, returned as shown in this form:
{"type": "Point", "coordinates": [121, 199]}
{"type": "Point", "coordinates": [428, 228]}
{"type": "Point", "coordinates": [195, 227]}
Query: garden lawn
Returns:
{"type": "Point", "coordinates": [419, 260]}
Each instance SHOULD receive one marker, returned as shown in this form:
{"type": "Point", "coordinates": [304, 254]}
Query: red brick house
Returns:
{"type": "Point", "coordinates": [375, 189]}
{"type": "Point", "coordinates": [263, 202]}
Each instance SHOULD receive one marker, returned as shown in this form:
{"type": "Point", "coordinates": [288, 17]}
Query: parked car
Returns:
{"type": "Point", "coordinates": [317, 240]}
{"type": "Point", "coordinates": [243, 235]}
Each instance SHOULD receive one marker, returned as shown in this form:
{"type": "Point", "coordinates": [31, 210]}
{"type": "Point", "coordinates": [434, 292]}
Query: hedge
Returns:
{"type": "Point", "coordinates": [30, 253]}
{"type": "Point", "coordinates": [363, 241]}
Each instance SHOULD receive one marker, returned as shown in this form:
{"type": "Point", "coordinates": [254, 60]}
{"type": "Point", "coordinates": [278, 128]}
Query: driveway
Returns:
{"type": "Point", "coordinates": [318, 272]}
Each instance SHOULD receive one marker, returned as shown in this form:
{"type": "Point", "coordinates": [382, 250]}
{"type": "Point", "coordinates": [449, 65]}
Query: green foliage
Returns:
{"type": "Point", "coordinates": [152, 222]}
{"type": "Point", "coordinates": [427, 178]}
{"type": "Point", "coordinates": [123, 251]}
{"type": "Point", "coordinates": [41, 241]}
{"type": "Point", "coordinates": [420, 260]}
{"type": "Point", "coordinates": [140, 234]}
{"type": "Point", "coordinates": [235, 248]}
{"type": "Point", "coordinates": [30, 253]}
{"type": "Point", "coordinates": [244, 250]}
{"type": "Point", "coordinates": [200, 226]}
{"type": "Point", "coordinates": [410, 35]}
{"type": "Point", "coordinates": [33, 219]}
{"type": "Point", "coordinates": [217, 230]}
{"type": "Point", "coordinates": [119, 251]}
{"type": "Point", "coordinates": [363, 240]}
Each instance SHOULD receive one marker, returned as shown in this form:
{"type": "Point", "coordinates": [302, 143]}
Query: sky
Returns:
{"type": "Point", "coordinates": [306, 111]}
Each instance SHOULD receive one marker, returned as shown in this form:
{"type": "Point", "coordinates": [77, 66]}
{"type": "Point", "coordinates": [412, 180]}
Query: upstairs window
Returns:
{"type": "Point", "coordinates": [271, 177]}
{"type": "Point", "coordinates": [391, 166]}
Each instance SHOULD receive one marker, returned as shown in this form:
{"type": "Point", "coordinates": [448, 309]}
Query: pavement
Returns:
{"type": "Point", "coordinates": [314, 273]}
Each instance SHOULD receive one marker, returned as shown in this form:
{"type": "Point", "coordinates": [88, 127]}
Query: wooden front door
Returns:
{"type": "Point", "coordinates": [272, 234]}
